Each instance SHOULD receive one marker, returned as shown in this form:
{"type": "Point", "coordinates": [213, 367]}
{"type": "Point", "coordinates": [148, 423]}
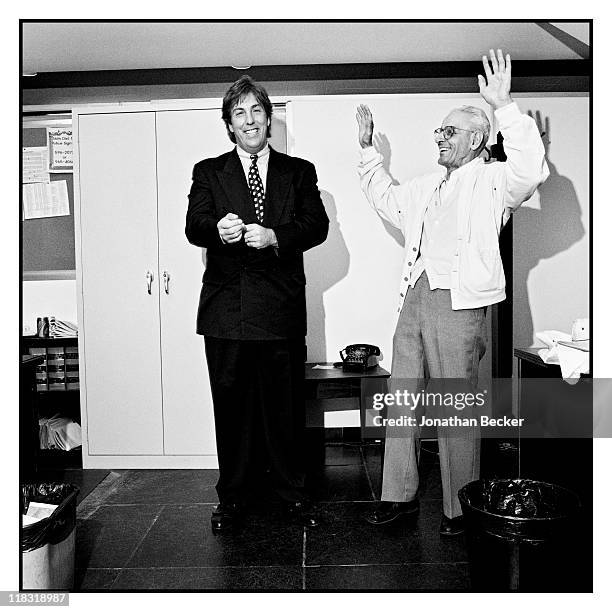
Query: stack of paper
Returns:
{"type": "Point", "coordinates": [59, 432]}
{"type": "Point", "coordinates": [62, 329]}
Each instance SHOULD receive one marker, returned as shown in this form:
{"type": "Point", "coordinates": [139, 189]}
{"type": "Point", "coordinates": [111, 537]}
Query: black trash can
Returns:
{"type": "Point", "coordinates": [47, 546]}
{"type": "Point", "coordinates": [521, 535]}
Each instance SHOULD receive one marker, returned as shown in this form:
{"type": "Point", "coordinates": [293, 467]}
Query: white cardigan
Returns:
{"type": "Point", "coordinates": [488, 195]}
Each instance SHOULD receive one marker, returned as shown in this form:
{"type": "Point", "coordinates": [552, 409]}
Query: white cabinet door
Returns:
{"type": "Point", "coordinates": [119, 326]}
{"type": "Point", "coordinates": [183, 139]}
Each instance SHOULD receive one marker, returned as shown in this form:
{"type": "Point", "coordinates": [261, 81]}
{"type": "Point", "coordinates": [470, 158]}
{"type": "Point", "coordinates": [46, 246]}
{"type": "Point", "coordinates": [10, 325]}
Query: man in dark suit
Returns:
{"type": "Point", "coordinates": [252, 310]}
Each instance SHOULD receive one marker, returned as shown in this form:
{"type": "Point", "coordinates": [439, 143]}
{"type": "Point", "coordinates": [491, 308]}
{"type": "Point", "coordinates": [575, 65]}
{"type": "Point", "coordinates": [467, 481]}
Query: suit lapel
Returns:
{"type": "Point", "coordinates": [278, 182]}
{"type": "Point", "coordinates": [236, 189]}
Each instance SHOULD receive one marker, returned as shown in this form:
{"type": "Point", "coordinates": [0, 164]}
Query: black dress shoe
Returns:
{"type": "Point", "coordinates": [387, 512]}
{"type": "Point", "coordinates": [302, 513]}
{"type": "Point", "coordinates": [226, 516]}
{"type": "Point", "coordinates": [451, 527]}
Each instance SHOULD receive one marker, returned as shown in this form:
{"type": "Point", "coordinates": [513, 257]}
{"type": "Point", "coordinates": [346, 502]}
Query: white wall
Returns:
{"type": "Point", "coordinates": [550, 232]}
{"type": "Point", "coordinates": [42, 298]}
{"type": "Point", "coordinates": [353, 278]}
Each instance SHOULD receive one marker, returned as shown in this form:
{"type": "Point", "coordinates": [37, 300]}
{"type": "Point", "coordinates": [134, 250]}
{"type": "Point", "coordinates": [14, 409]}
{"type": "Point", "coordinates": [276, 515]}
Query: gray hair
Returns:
{"type": "Point", "coordinates": [480, 122]}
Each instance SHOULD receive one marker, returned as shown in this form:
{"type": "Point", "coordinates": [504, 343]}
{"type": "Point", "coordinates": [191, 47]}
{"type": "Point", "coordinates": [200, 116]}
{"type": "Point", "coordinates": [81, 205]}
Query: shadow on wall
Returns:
{"type": "Point", "coordinates": [383, 146]}
{"type": "Point", "coordinates": [541, 234]}
{"type": "Point", "coordinates": [325, 266]}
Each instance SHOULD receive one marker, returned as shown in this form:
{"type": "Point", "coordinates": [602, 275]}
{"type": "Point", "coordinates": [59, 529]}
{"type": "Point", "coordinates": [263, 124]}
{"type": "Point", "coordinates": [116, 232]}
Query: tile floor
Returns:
{"type": "Point", "coordinates": [143, 530]}
{"type": "Point", "coordinates": [150, 530]}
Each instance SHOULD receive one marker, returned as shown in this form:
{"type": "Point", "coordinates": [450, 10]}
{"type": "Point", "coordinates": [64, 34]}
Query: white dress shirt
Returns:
{"type": "Point", "coordinates": [439, 237]}
{"type": "Point", "coordinates": [263, 157]}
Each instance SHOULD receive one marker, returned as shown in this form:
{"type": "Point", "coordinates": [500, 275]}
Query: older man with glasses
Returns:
{"type": "Point", "coordinates": [452, 269]}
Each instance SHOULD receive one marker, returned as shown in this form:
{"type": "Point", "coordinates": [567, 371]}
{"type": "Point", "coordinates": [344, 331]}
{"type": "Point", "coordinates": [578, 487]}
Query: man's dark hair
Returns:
{"type": "Point", "coordinates": [239, 90]}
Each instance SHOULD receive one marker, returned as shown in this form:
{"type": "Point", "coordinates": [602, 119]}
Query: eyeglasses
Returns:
{"type": "Point", "coordinates": [449, 131]}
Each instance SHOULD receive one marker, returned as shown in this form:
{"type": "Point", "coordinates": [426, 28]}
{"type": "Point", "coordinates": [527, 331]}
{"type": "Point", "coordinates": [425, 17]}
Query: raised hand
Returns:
{"type": "Point", "coordinates": [495, 89]}
{"type": "Point", "coordinates": [366, 126]}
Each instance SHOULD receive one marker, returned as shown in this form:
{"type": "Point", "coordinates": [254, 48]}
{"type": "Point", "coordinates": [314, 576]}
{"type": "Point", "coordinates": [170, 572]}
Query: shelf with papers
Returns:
{"type": "Point", "coordinates": [56, 394]}
{"type": "Point", "coordinates": [60, 368]}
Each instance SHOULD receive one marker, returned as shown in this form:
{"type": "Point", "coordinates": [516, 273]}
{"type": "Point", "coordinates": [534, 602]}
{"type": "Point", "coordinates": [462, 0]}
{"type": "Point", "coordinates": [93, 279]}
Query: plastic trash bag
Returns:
{"type": "Point", "coordinates": [527, 498]}
{"type": "Point", "coordinates": [59, 524]}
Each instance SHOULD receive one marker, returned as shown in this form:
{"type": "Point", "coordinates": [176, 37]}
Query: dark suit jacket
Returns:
{"type": "Point", "coordinates": [247, 293]}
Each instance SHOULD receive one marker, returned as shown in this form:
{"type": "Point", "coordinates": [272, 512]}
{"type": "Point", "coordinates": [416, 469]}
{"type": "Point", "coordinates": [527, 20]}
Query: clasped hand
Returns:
{"type": "Point", "coordinates": [231, 229]}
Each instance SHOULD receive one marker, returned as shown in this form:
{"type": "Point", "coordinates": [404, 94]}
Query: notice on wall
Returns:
{"type": "Point", "coordinates": [59, 140]}
{"type": "Point", "coordinates": [45, 200]}
{"type": "Point", "coordinates": [35, 164]}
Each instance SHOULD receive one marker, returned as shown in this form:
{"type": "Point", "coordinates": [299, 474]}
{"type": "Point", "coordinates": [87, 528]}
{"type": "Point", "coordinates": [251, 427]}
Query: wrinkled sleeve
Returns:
{"type": "Point", "coordinates": [525, 167]}
{"type": "Point", "coordinates": [387, 199]}
{"type": "Point", "coordinates": [309, 226]}
{"type": "Point", "coordinates": [201, 223]}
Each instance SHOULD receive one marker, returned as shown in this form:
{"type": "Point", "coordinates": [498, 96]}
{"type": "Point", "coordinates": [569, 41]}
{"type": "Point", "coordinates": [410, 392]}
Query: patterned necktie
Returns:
{"type": "Point", "coordinates": [256, 188]}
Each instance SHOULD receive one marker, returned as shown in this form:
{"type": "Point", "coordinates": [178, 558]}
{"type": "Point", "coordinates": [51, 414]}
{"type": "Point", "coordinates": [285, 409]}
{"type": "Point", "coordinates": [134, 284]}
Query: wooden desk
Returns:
{"type": "Point", "coordinates": [530, 355]}
{"type": "Point", "coordinates": [530, 365]}
{"type": "Point", "coordinates": [326, 391]}
{"type": "Point", "coordinates": [332, 390]}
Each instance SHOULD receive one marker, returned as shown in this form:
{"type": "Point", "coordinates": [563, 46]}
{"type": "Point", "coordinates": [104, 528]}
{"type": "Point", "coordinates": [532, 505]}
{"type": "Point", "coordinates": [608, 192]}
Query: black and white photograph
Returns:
{"type": "Point", "coordinates": [305, 307]}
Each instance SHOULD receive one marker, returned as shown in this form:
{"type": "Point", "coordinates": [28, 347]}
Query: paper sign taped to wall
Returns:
{"type": "Point", "coordinates": [45, 200]}
{"type": "Point", "coordinates": [35, 164]}
{"type": "Point", "coordinates": [59, 140]}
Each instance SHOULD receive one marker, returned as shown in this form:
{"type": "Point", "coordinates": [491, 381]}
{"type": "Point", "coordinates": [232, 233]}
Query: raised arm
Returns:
{"type": "Point", "coordinates": [376, 183]}
{"type": "Point", "coordinates": [525, 167]}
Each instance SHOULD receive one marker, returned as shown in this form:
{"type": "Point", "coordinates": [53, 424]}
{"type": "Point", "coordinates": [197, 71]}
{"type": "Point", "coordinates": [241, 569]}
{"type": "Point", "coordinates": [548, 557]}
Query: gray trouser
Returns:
{"type": "Point", "coordinates": [434, 341]}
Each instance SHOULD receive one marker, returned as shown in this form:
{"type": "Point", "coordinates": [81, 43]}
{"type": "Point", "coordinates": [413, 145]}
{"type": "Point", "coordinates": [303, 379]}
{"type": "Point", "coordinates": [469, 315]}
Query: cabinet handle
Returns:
{"type": "Point", "coordinates": [166, 281]}
{"type": "Point", "coordinates": [149, 281]}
